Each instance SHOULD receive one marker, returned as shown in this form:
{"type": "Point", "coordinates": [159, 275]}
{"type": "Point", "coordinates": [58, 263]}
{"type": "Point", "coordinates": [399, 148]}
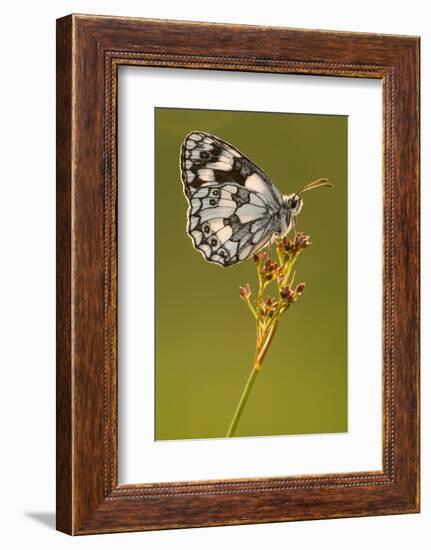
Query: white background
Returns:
{"type": "Point", "coordinates": [141, 458]}
{"type": "Point", "coordinates": [27, 277]}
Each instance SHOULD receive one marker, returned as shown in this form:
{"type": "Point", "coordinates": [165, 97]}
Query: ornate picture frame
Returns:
{"type": "Point", "coordinates": [89, 51]}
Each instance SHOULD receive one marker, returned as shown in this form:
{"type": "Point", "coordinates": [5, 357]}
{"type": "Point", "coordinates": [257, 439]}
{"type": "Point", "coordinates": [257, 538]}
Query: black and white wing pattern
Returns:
{"type": "Point", "coordinates": [233, 205]}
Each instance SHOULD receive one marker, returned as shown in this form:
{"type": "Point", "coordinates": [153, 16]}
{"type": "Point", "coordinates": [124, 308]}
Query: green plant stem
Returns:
{"type": "Point", "coordinates": [242, 401]}
{"type": "Point", "coordinates": [258, 307]}
{"type": "Point", "coordinates": [267, 314]}
{"type": "Point", "coordinates": [253, 311]}
{"type": "Point", "coordinates": [265, 346]}
{"type": "Point", "coordinates": [291, 263]}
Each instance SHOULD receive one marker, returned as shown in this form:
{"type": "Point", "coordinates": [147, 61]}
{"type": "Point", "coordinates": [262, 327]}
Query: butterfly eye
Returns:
{"type": "Point", "coordinates": [293, 203]}
{"type": "Point", "coordinates": [205, 155]}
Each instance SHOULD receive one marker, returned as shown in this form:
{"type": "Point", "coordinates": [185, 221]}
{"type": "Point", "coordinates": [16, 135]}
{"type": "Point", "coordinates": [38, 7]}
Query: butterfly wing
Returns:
{"type": "Point", "coordinates": [228, 223]}
{"type": "Point", "coordinates": [233, 203]}
{"type": "Point", "coordinates": [206, 158]}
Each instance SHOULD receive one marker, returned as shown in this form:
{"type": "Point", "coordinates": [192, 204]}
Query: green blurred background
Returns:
{"type": "Point", "coordinates": [205, 335]}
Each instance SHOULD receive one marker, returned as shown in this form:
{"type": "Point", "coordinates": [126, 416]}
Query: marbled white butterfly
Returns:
{"type": "Point", "coordinates": [234, 208]}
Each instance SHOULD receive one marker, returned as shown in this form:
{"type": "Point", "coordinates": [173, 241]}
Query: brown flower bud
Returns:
{"type": "Point", "coordinates": [299, 288]}
{"type": "Point", "coordinates": [258, 258]}
{"type": "Point", "coordinates": [301, 241]}
{"type": "Point", "coordinates": [245, 291]}
{"type": "Point", "coordinates": [287, 294]}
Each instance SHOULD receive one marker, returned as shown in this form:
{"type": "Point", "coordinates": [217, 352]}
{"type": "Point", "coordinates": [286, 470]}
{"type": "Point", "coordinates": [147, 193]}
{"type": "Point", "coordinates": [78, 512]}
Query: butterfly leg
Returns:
{"type": "Point", "coordinates": [295, 225]}
{"type": "Point", "coordinates": [269, 247]}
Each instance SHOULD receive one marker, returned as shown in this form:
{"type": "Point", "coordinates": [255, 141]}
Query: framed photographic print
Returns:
{"type": "Point", "coordinates": [237, 274]}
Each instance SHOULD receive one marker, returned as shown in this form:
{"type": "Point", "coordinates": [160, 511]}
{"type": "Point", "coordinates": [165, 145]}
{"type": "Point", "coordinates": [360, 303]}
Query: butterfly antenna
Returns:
{"type": "Point", "coordinates": [322, 182]}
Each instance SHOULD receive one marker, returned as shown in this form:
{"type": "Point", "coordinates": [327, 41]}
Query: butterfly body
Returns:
{"type": "Point", "coordinates": [234, 208]}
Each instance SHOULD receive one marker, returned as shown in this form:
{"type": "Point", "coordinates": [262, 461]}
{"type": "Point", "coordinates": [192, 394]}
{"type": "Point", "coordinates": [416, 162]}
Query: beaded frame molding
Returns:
{"type": "Point", "coordinates": [89, 51]}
